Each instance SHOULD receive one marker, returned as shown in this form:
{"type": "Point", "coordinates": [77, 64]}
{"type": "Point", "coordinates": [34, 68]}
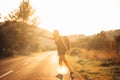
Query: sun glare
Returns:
{"type": "Point", "coordinates": [81, 18]}
{"type": "Point", "coordinates": [62, 69]}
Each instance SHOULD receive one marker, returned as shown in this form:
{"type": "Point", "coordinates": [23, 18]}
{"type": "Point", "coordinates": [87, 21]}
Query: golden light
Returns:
{"type": "Point", "coordinates": [62, 69]}
{"type": "Point", "coordinates": [81, 18]}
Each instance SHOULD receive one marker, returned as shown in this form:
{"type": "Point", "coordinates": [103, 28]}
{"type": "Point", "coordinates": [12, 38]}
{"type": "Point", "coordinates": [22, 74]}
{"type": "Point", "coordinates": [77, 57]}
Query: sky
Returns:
{"type": "Point", "coordinates": [86, 17]}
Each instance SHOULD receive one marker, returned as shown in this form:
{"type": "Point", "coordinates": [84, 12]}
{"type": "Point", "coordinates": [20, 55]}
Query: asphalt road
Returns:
{"type": "Point", "coordinates": [41, 66]}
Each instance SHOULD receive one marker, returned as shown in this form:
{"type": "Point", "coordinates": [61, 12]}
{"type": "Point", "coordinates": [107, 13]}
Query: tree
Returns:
{"type": "Point", "coordinates": [117, 44]}
{"type": "Point", "coordinates": [25, 11]}
{"type": "Point", "coordinates": [19, 32]}
{"type": "Point", "coordinates": [24, 14]}
{"type": "Point", "coordinates": [99, 42]}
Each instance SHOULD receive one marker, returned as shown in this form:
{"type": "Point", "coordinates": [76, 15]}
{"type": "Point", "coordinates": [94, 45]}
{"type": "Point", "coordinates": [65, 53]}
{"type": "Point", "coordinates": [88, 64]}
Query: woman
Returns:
{"type": "Point", "coordinates": [62, 44]}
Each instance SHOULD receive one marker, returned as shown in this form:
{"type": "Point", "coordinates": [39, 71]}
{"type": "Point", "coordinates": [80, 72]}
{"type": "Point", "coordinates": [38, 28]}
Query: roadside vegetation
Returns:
{"type": "Point", "coordinates": [99, 55]}
{"type": "Point", "coordinates": [96, 65]}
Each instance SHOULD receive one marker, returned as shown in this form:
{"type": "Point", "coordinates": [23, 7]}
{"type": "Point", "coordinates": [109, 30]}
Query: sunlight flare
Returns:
{"type": "Point", "coordinates": [62, 69]}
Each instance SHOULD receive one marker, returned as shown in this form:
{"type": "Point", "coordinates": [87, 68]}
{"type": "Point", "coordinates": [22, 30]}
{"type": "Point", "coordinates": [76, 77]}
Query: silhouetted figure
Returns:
{"type": "Point", "coordinates": [62, 43]}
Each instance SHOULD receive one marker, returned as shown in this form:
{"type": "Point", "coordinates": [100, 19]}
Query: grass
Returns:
{"type": "Point", "coordinates": [94, 68]}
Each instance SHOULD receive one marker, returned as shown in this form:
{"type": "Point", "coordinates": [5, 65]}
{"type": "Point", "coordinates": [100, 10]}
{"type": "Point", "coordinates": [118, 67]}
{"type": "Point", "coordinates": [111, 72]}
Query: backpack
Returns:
{"type": "Point", "coordinates": [67, 42]}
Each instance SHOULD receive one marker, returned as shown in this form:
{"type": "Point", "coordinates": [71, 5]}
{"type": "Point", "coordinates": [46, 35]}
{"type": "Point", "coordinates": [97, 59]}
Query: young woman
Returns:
{"type": "Point", "coordinates": [63, 46]}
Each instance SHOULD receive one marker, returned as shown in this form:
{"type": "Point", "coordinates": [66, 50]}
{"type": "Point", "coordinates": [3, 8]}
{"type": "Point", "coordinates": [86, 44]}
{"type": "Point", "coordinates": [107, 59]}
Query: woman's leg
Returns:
{"type": "Point", "coordinates": [68, 66]}
{"type": "Point", "coordinates": [60, 60]}
{"type": "Point", "coordinates": [66, 63]}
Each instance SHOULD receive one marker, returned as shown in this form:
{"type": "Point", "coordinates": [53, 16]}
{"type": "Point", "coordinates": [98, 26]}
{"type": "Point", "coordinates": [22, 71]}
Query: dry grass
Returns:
{"type": "Point", "coordinates": [96, 65]}
{"type": "Point", "coordinates": [98, 55]}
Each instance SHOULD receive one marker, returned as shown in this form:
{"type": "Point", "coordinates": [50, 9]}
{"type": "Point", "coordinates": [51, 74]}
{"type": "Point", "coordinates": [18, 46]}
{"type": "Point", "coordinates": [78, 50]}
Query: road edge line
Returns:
{"type": "Point", "coordinates": [7, 73]}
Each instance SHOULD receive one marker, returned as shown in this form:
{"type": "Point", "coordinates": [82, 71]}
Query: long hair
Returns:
{"type": "Point", "coordinates": [56, 33]}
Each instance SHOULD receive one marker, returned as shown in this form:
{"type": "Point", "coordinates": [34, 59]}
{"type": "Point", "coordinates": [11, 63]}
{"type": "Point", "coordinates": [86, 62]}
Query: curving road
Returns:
{"type": "Point", "coordinates": [41, 66]}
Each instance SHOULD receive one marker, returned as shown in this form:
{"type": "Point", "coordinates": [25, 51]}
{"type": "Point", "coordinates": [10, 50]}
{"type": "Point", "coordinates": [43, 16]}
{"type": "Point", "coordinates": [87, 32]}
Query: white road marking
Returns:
{"type": "Point", "coordinates": [5, 74]}
{"type": "Point", "coordinates": [27, 62]}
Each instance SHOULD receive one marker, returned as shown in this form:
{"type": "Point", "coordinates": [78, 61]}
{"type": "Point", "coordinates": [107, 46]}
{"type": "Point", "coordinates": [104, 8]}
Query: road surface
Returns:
{"type": "Point", "coordinates": [41, 66]}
